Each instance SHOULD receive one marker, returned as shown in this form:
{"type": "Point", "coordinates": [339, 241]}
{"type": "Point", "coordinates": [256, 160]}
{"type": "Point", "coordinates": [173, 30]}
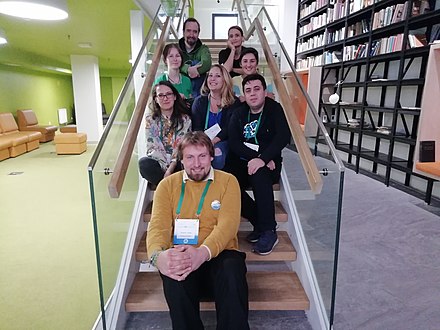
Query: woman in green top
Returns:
{"type": "Point", "coordinates": [172, 57]}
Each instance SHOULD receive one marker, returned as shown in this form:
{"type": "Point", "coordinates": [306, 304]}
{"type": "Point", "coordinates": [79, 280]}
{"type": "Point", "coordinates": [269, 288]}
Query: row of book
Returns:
{"type": "Point", "coordinates": [332, 57]}
{"type": "Point", "coordinates": [354, 52]}
{"type": "Point", "coordinates": [315, 23]}
{"type": "Point", "coordinates": [356, 5]}
{"type": "Point", "coordinates": [338, 11]}
{"type": "Point", "coordinates": [314, 6]}
{"type": "Point", "coordinates": [316, 41]}
{"type": "Point", "coordinates": [336, 35]}
{"type": "Point", "coordinates": [417, 40]}
{"type": "Point", "coordinates": [308, 62]}
{"type": "Point", "coordinates": [390, 15]}
{"type": "Point", "coordinates": [386, 45]}
{"type": "Point", "coordinates": [358, 28]}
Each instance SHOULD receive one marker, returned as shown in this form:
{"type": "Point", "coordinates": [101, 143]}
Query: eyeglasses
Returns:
{"type": "Point", "coordinates": [163, 96]}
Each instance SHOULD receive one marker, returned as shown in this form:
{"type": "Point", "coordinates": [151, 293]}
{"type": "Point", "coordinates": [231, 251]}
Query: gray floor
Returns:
{"type": "Point", "coordinates": [389, 262]}
{"type": "Point", "coordinates": [389, 266]}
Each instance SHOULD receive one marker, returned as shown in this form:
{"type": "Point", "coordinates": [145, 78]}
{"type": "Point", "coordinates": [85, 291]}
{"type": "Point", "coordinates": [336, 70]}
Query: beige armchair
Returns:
{"type": "Point", "coordinates": [27, 121]}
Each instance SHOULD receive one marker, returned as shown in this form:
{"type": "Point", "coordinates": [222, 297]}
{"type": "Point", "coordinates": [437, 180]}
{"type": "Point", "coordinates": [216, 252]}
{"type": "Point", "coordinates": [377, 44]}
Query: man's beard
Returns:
{"type": "Point", "coordinates": [197, 177]}
{"type": "Point", "coordinates": [191, 41]}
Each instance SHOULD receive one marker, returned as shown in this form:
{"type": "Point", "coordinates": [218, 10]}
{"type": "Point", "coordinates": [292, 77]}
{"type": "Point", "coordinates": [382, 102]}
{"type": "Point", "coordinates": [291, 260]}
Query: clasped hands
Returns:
{"type": "Point", "coordinates": [193, 72]}
{"type": "Point", "coordinates": [179, 261]}
{"type": "Point", "coordinates": [256, 163]}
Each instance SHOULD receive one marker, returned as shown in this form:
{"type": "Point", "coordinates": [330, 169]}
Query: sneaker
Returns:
{"type": "Point", "coordinates": [253, 236]}
{"type": "Point", "coordinates": [268, 240]}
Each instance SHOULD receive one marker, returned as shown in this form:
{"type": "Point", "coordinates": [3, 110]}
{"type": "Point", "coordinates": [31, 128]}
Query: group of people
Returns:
{"type": "Point", "coordinates": [203, 160]}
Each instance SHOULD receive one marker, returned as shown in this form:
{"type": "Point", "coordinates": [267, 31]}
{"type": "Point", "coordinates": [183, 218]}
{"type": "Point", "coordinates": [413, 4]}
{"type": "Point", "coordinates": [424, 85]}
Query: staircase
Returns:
{"type": "Point", "coordinates": [269, 287]}
{"type": "Point", "coordinates": [215, 46]}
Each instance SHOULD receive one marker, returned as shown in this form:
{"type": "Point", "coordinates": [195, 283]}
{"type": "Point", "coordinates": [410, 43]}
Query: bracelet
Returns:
{"type": "Point", "coordinates": [154, 256]}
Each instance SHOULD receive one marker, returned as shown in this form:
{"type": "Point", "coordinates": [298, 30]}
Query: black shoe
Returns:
{"type": "Point", "coordinates": [265, 245]}
{"type": "Point", "coordinates": [253, 236]}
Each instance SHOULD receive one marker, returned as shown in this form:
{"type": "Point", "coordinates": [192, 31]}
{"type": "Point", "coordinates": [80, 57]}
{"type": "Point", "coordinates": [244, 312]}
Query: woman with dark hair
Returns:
{"type": "Point", "coordinates": [230, 57]}
{"type": "Point", "coordinates": [211, 111]}
{"type": "Point", "coordinates": [173, 58]}
{"type": "Point", "coordinates": [165, 126]}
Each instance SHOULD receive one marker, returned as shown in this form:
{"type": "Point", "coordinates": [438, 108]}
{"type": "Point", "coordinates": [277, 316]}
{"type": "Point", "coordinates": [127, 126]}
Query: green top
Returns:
{"type": "Point", "coordinates": [183, 87]}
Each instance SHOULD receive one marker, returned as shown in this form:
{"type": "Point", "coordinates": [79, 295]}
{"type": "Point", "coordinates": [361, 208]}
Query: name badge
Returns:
{"type": "Point", "coordinates": [186, 231]}
{"type": "Point", "coordinates": [213, 131]}
{"type": "Point", "coordinates": [252, 146]}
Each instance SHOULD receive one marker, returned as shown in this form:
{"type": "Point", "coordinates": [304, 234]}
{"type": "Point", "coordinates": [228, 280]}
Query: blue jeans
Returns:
{"type": "Point", "coordinates": [219, 161]}
{"type": "Point", "coordinates": [196, 84]}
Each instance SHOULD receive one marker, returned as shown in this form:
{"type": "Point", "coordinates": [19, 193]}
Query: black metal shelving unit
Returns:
{"type": "Point", "coordinates": [376, 90]}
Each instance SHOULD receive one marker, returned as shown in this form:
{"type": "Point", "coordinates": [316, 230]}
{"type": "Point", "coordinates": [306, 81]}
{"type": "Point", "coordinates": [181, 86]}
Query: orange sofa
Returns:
{"type": "Point", "coordinates": [27, 121]}
{"type": "Point", "coordinates": [15, 141]}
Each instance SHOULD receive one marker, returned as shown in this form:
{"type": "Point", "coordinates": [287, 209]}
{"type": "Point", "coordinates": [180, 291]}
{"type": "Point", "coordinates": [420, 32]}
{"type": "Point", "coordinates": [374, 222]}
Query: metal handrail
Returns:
{"type": "Point", "coordinates": [310, 104]}
{"type": "Point", "coordinates": [310, 168]}
{"type": "Point", "coordinates": [123, 159]}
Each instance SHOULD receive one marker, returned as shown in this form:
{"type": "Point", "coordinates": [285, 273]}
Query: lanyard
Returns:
{"type": "Point", "coordinates": [209, 111]}
{"type": "Point", "coordinates": [258, 124]}
{"type": "Point", "coordinates": [202, 198]}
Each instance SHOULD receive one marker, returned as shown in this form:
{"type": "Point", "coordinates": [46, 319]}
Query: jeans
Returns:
{"type": "Point", "coordinates": [224, 278]}
{"type": "Point", "coordinates": [219, 160]}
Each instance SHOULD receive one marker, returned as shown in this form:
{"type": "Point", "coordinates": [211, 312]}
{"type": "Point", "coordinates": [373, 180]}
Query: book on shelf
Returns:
{"type": "Point", "coordinates": [427, 151]}
{"type": "Point", "coordinates": [435, 33]}
{"type": "Point", "coordinates": [417, 40]}
{"type": "Point", "coordinates": [400, 12]}
{"type": "Point", "coordinates": [420, 7]}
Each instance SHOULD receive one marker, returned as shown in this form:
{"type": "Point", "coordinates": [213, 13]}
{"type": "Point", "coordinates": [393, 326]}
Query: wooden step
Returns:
{"type": "Point", "coordinates": [280, 213]}
{"type": "Point", "coordinates": [284, 250]}
{"type": "Point", "coordinates": [267, 291]}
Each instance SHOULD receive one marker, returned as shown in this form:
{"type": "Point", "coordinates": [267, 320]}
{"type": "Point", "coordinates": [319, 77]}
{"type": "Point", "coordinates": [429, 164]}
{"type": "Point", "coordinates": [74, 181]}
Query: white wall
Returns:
{"type": "Point", "coordinates": [203, 10]}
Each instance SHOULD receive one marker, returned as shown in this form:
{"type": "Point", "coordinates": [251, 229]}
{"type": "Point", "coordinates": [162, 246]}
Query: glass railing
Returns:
{"type": "Point", "coordinates": [112, 216]}
{"type": "Point", "coordinates": [319, 214]}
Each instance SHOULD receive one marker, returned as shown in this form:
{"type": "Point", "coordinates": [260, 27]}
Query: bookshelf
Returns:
{"type": "Point", "coordinates": [378, 52]}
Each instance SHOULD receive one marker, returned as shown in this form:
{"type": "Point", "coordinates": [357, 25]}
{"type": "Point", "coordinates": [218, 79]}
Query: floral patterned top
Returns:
{"type": "Point", "coordinates": [162, 140]}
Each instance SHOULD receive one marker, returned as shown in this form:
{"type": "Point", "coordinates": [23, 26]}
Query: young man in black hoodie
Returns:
{"type": "Point", "coordinates": [258, 132]}
{"type": "Point", "coordinates": [196, 56]}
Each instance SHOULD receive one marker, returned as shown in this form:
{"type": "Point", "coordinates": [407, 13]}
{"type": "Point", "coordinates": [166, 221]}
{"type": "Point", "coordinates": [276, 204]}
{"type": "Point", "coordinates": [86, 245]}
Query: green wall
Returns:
{"type": "Point", "coordinates": [106, 93]}
{"type": "Point", "coordinates": [42, 92]}
{"type": "Point", "coordinates": [45, 93]}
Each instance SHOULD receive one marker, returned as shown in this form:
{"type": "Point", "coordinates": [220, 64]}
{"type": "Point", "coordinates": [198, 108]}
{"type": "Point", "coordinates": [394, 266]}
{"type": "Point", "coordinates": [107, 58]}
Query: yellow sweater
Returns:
{"type": "Point", "coordinates": [217, 228]}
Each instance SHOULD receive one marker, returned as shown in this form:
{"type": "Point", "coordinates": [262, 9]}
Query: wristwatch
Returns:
{"type": "Point", "coordinates": [154, 256]}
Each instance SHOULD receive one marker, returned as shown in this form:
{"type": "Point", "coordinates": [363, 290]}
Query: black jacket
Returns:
{"type": "Point", "coordinates": [223, 57]}
{"type": "Point", "coordinates": [273, 133]}
{"type": "Point", "coordinates": [198, 115]}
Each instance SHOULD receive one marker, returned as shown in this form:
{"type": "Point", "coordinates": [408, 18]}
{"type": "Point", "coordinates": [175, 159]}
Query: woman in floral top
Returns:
{"type": "Point", "coordinates": [165, 126]}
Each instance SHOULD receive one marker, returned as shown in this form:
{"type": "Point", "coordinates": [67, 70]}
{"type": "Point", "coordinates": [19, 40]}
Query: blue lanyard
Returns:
{"type": "Point", "coordinates": [202, 199]}
{"type": "Point", "coordinates": [258, 124]}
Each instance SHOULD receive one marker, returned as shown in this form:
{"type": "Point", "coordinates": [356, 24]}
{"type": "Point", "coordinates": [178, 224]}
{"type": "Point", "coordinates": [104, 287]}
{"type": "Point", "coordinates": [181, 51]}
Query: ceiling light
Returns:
{"type": "Point", "coordinates": [3, 39]}
{"type": "Point", "coordinates": [48, 10]}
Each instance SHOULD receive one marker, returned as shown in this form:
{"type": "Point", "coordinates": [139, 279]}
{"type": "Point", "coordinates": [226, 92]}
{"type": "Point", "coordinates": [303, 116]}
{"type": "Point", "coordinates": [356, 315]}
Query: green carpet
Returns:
{"type": "Point", "coordinates": [48, 270]}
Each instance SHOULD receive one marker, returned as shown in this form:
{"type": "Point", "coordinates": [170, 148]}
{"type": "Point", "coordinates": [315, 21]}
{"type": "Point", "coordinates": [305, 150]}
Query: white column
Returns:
{"type": "Point", "coordinates": [87, 95]}
{"type": "Point", "coordinates": [288, 20]}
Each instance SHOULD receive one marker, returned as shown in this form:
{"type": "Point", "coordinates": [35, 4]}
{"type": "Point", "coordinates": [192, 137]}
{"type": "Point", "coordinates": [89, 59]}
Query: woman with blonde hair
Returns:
{"type": "Point", "coordinates": [212, 110]}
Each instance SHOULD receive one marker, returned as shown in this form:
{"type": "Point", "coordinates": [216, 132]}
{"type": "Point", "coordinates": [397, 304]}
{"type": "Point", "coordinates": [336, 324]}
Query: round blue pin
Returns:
{"type": "Point", "coordinates": [215, 205]}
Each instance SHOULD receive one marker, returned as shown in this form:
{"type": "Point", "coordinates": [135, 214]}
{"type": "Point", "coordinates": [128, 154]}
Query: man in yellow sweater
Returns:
{"type": "Point", "coordinates": [192, 239]}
